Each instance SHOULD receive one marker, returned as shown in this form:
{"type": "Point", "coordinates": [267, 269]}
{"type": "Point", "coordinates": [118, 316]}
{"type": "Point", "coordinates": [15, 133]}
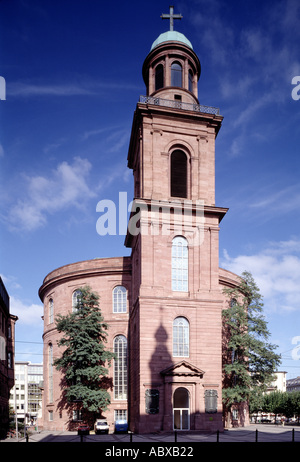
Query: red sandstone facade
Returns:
{"type": "Point", "coordinates": [174, 286]}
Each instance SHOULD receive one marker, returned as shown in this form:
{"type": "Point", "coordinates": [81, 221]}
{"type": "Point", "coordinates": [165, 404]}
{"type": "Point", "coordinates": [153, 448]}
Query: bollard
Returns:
{"type": "Point", "coordinates": [293, 435]}
{"type": "Point", "coordinates": [256, 436]}
{"type": "Point", "coordinates": [175, 436]}
{"type": "Point", "coordinates": [218, 436]}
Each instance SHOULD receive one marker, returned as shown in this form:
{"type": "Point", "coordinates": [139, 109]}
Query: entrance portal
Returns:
{"type": "Point", "coordinates": [181, 409]}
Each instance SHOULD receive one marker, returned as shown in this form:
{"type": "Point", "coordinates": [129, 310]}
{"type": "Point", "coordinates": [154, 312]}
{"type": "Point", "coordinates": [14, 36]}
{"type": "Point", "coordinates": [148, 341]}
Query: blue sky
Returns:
{"type": "Point", "coordinates": [73, 78]}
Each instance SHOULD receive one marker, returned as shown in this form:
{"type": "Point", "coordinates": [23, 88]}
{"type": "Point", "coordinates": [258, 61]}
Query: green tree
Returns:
{"type": "Point", "coordinates": [275, 402]}
{"type": "Point", "coordinates": [249, 360]}
{"type": "Point", "coordinates": [295, 400]}
{"type": "Point", "coordinates": [85, 360]}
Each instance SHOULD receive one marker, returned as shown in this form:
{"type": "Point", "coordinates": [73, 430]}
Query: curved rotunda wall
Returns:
{"type": "Point", "coordinates": [102, 276]}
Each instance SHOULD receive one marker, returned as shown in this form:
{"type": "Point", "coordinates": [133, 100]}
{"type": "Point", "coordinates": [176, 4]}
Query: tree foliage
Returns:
{"type": "Point", "coordinates": [284, 403]}
{"type": "Point", "coordinates": [85, 359]}
{"type": "Point", "coordinates": [249, 360]}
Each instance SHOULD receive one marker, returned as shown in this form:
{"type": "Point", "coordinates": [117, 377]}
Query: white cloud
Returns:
{"type": "Point", "coordinates": [30, 89]}
{"type": "Point", "coordinates": [280, 201]}
{"type": "Point", "coordinates": [28, 314]}
{"type": "Point", "coordinates": [83, 86]}
{"type": "Point", "coordinates": [67, 186]}
{"type": "Point", "coordinates": [276, 270]}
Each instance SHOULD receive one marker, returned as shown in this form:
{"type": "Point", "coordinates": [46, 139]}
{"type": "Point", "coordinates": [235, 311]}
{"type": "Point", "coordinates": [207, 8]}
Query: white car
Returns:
{"type": "Point", "coordinates": [101, 426]}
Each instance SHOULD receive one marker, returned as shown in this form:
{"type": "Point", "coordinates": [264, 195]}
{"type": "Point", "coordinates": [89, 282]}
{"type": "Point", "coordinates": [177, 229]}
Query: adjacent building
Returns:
{"type": "Point", "coordinates": [7, 352]}
{"type": "Point", "coordinates": [293, 384]}
{"type": "Point", "coordinates": [26, 395]}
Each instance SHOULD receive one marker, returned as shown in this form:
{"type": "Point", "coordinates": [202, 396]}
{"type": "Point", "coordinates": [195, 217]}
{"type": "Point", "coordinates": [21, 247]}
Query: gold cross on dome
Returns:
{"type": "Point", "coordinates": [171, 16]}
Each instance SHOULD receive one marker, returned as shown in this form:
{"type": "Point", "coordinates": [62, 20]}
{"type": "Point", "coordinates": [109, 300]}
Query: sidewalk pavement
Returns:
{"type": "Point", "coordinates": [250, 434]}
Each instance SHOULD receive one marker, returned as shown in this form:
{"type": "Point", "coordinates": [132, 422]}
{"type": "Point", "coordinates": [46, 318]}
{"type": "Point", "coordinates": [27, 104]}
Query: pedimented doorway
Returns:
{"type": "Point", "coordinates": [181, 409]}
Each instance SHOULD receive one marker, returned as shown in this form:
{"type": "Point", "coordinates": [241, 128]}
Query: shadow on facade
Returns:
{"type": "Point", "coordinates": [158, 397]}
{"type": "Point", "coordinates": [173, 400]}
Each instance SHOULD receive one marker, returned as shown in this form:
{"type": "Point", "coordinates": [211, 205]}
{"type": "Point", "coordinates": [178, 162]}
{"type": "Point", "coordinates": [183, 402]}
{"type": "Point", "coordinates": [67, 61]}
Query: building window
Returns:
{"type": "Point", "coordinates": [50, 310]}
{"type": "Point", "coordinates": [120, 414]}
{"type": "Point", "coordinates": [191, 77]}
{"type": "Point", "coordinates": [179, 264]}
{"type": "Point", "coordinates": [181, 337]}
{"type": "Point", "coordinates": [9, 360]}
{"type": "Point", "coordinates": [119, 299]}
{"type": "Point", "coordinates": [77, 415]}
{"type": "Point", "coordinates": [176, 75]}
{"type": "Point", "coordinates": [76, 300]}
{"type": "Point", "coordinates": [178, 174]}
{"type": "Point", "coordinates": [159, 77]}
{"type": "Point", "coordinates": [235, 414]}
{"type": "Point", "coordinates": [50, 372]}
{"type": "Point", "coordinates": [120, 367]}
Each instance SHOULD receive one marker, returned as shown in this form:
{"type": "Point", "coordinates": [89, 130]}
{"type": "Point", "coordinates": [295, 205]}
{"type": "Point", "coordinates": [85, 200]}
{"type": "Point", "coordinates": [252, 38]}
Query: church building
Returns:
{"type": "Point", "coordinates": [163, 303]}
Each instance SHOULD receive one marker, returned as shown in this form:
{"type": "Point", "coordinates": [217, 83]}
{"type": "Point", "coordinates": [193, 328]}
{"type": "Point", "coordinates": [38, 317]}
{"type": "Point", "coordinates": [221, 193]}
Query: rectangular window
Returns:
{"type": "Point", "coordinates": [120, 414]}
{"type": "Point", "coordinates": [235, 414]}
{"type": "Point", "coordinates": [77, 415]}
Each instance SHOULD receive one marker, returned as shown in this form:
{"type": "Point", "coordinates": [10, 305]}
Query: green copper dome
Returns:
{"type": "Point", "coordinates": [172, 36]}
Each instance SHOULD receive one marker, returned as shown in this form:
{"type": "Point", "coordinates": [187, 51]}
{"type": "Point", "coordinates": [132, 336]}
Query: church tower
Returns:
{"type": "Point", "coordinates": [164, 303]}
{"type": "Point", "coordinates": [175, 347]}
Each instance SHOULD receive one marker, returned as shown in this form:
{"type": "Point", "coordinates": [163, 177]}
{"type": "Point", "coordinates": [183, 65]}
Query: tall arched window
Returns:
{"type": "Point", "coordinates": [50, 372]}
{"type": "Point", "coordinates": [76, 300]}
{"type": "Point", "coordinates": [120, 367]}
{"type": "Point", "coordinates": [159, 77]}
{"type": "Point", "coordinates": [180, 264]}
{"type": "Point", "coordinates": [119, 299]}
{"type": "Point", "coordinates": [178, 174]}
{"type": "Point", "coordinates": [181, 334]}
{"type": "Point", "coordinates": [176, 75]}
{"type": "Point", "coordinates": [50, 310]}
{"type": "Point", "coordinates": [191, 76]}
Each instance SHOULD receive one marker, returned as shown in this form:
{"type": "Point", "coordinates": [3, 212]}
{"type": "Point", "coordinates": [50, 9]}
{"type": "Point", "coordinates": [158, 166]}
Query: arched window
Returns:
{"type": "Point", "coordinates": [50, 372]}
{"type": "Point", "coordinates": [119, 299]}
{"type": "Point", "coordinates": [181, 337]}
{"type": "Point", "coordinates": [191, 76]}
{"type": "Point", "coordinates": [179, 264]}
{"type": "Point", "coordinates": [120, 367]}
{"type": "Point", "coordinates": [50, 310]}
{"type": "Point", "coordinates": [76, 300]}
{"type": "Point", "coordinates": [176, 75]}
{"type": "Point", "coordinates": [178, 174]}
{"type": "Point", "coordinates": [159, 77]}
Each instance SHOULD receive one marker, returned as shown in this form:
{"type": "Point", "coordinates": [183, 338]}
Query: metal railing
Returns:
{"type": "Point", "coordinates": [179, 105]}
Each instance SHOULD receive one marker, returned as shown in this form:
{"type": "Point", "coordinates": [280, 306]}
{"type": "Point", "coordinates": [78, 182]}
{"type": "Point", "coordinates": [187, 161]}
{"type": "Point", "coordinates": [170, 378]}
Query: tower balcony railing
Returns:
{"type": "Point", "coordinates": [179, 105]}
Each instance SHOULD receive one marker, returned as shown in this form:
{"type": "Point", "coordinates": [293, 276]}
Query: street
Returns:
{"type": "Point", "coordinates": [261, 433]}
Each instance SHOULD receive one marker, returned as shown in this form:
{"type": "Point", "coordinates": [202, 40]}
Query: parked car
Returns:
{"type": "Point", "coordinates": [83, 429]}
{"type": "Point", "coordinates": [121, 426]}
{"type": "Point", "coordinates": [101, 426]}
